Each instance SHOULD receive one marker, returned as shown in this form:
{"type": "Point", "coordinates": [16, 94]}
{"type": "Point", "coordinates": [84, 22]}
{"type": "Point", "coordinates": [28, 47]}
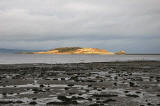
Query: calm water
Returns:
{"type": "Point", "coordinates": [44, 58]}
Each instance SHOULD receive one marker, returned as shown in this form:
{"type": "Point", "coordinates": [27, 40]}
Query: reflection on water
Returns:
{"type": "Point", "coordinates": [44, 58]}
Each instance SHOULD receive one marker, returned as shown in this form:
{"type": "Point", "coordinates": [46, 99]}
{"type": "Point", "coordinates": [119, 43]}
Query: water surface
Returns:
{"type": "Point", "coordinates": [53, 59]}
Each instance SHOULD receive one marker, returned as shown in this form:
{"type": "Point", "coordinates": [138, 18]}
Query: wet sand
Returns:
{"type": "Point", "coordinates": [135, 83]}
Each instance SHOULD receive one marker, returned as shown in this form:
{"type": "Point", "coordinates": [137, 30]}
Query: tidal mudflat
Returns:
{"type": "Point", "coordinates": [135, 83]}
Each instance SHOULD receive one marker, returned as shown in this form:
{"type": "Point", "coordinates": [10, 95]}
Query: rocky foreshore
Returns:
{"type": "Point", "coordinates": [134, 83]}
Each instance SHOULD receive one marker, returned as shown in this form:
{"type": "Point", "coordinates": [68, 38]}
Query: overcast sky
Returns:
{"type": "Point", "coordinates": [130, 25]}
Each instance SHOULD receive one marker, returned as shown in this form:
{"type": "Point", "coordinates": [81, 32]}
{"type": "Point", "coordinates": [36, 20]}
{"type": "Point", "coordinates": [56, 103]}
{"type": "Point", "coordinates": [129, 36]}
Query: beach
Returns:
{"type": "Point", "coordinates": [127, 83]}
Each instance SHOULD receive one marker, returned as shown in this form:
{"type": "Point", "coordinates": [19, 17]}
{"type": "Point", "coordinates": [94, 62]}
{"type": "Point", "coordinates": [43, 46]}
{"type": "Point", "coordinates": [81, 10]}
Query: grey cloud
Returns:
{"type": "Point", "coordinates": [133, 46]}
{"type": "Point", "coordinates": [74, 22]}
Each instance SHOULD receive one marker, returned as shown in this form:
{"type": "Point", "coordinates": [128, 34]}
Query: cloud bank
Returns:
{"type": "Point", "coordinates": [131, 25]}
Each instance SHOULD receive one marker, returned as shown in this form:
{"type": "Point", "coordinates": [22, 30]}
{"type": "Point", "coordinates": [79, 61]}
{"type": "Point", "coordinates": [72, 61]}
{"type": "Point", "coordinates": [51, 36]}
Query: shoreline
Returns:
{"type": "Point", "coordinates": [119, 83]}
{"type": "Point", "coordinates": [125, 61]}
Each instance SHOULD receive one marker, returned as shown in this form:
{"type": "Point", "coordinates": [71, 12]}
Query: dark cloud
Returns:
{"type": "Point", "coordinates": [108, 24]}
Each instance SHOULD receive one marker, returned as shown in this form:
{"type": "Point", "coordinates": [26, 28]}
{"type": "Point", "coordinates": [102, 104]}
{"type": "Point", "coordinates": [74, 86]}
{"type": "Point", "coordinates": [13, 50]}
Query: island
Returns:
{"type": "Point", "coordinates": [78, 50]}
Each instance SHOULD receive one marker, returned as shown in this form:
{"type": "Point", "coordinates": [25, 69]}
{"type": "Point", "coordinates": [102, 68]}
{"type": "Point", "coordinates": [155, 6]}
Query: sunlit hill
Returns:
{"type": "Point", "coordinates": [79, 50]}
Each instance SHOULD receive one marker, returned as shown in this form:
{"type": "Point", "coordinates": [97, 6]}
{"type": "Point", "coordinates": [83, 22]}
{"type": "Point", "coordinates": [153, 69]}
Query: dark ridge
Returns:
{"type": "Point", "coordinates": [67, 49]}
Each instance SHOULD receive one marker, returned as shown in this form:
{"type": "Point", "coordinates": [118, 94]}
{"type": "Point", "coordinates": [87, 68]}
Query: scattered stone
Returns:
{"type": "Point", "coordinates": [132, 95]}
{"type": "Point", "coordinates": [34, 98]}
{"type": "Point", "coordinates": [109, 100]}
{"type": "Point", "coordinates": [11, 102]}
{"type": "Point", "coordinates": [33, 103]}
{"type": "Point", "coordinates": [55, 103]}
{"type": "Point", "coordinates": [91, 86]}
{"type": "Point", "coordinates": [115, 84]}
{"type": "Point", "coordinates": [70, 85]}
{"type": "Point", "coordinates": [6, 102]}
{"type": "Point", "coordinates": [19, 101]}
{"type": "Point", "coordinates": [95, 104]}
{"type": "Point", "coordinates": [158, 95]}
{"type": "Point", "coordinates": [4, 94]}
{"type": "Point", "coordinates": [41, 85]}
{"type": "Point", "coordinates": [138, 92]}
{"type": "Point", "coordinates": [104, 95]}
{"type": "Point", "coordinates": [62, 78]}
{"type": "Point", "coordinates": [126, 91]}
{"type": "Point", "coordinates": [67, 100]}
{"type": "Point", "coordinates": [66, 88]}
{"type": "Point", "coordinates": [131, 84]}
{"type": "Point", "coordinates": [90, 99]}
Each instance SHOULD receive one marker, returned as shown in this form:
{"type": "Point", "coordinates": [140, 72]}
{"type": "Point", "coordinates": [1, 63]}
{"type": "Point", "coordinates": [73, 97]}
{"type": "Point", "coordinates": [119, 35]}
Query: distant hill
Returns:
{"type": "Point", "coordinates": [76, 50]}
{"type": "Point", "coordinates": [120, 52]}
{"type": "Point", "coordinates": [3, 50]}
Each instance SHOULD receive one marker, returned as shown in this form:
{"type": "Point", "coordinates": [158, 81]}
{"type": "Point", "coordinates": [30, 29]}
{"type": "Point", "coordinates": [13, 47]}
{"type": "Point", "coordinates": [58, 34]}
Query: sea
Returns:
{"type": "Point", "coordinates": [60, 59]}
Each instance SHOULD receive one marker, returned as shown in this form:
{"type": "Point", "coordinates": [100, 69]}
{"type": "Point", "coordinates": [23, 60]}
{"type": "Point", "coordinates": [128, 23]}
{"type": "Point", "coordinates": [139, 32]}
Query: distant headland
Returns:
{"type": "Point", "coordinates": [78, 50]}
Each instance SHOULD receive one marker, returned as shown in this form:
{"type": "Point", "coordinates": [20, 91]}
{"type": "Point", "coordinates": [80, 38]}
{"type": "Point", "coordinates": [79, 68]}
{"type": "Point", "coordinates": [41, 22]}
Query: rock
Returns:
{"type": "Point", "coordinates": [126, 91]}
{"type": "Point", "coordinates": [18, 101]}
{"type": "Point", "coordinates": [95, 104]}
{"type": "Point", "coordinates": [158, 95]}
{"type": "Point", "coordinates": [70, 85]}
{"type": "Point", "coordinates": [66, 88]}
{"type": "Point", "coordinates": [104, 95]}
{"type": "Point", "coordinates": [67, 100]}
{"type": "Point", "coordinates": [55, 103]}
{"type": "Point", "coordinates": [120, 52]}
{"type": "Point", "coordinates": [10, 102]}
{"type": "Point", "coordinates": [109, 100]}
{"type": "Point", "coordinates": [131, 84]}
{"type": "Point", "coordinates": [41, 86]}
{"type": "Point", "coordinates": [135, 96]}
{"type": "Point", "coordinates": [6, 102]}
{"type": "Point", "coordinates": [62, 78]}
{"type": "Point", "coordinates": [33, 103]}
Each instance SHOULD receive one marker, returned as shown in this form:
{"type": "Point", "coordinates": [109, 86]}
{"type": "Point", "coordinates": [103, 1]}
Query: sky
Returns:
{"type": "Point", "coordinates": [130, 25]}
